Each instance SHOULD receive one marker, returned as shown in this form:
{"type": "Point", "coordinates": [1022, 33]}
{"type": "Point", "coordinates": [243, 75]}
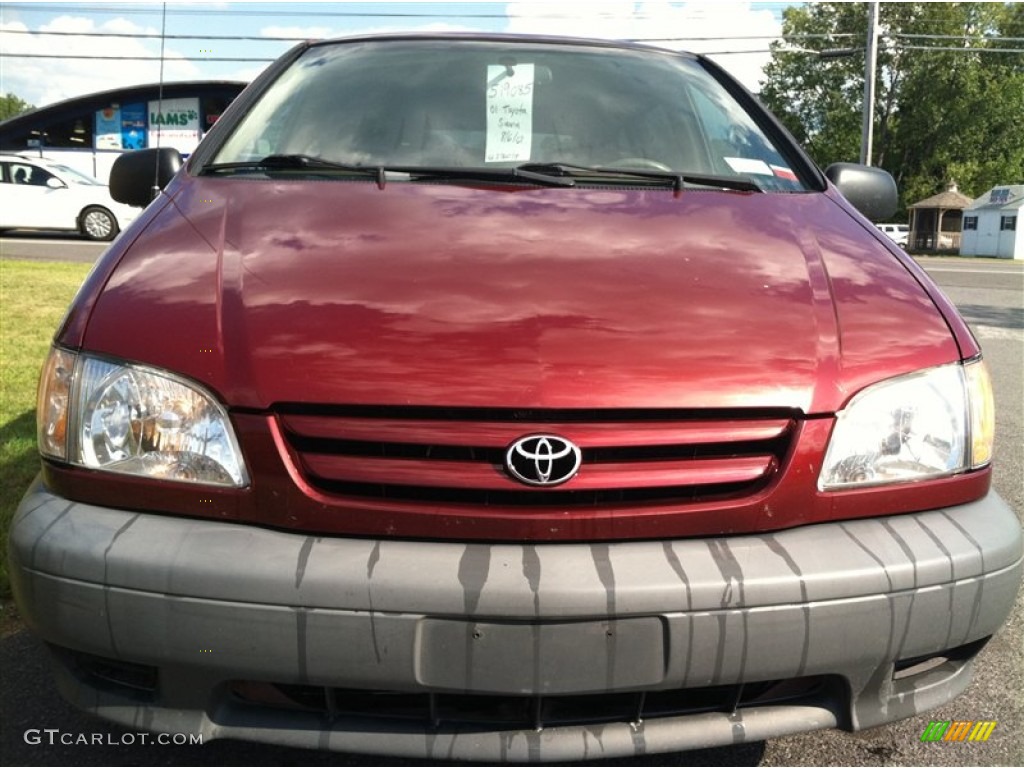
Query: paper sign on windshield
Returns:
{"type": "Point", "coordinates": [748, 165]}
{"type": "Point", "coordinates": [509, 112]}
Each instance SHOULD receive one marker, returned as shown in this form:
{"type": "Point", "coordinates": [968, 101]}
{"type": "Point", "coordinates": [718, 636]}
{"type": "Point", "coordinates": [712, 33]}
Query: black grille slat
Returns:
{"type": "Point", "coordinates": [391, 450]}
{"type": "Point", "coordinates": [537, 498]}
{"type": "Point", "coordinates": [512, 415]}
{"type": "Point", "coordinates": [327, 446]}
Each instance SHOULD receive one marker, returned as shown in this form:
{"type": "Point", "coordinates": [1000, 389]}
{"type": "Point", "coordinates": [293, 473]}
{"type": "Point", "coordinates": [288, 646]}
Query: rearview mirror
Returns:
{"type": "Point", "coordinates": [137, 177]}
{"type": "Point", "coordinates": [871, 191]}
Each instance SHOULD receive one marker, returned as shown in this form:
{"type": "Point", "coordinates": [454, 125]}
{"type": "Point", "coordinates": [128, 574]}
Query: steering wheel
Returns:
{"type": "Point", "coordinates": [638, 162]}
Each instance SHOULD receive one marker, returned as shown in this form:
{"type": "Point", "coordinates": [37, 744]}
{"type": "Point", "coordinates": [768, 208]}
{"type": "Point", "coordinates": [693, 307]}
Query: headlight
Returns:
{"type": "Point", "coordinates": [928, 424]}
{"type": "Point", "coordinates": [135, 420]}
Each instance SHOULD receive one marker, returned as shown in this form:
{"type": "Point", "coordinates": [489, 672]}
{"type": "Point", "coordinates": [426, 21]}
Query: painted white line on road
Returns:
{"type": "Point", "coordinates": [994, 332]}
{"type": "Point", "coordinates": [977, 271]}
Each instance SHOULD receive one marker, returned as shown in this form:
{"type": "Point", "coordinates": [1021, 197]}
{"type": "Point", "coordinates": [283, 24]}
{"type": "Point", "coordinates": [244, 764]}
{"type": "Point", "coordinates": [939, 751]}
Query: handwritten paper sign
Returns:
{"type": "Point", "coordinates": [509, 112]}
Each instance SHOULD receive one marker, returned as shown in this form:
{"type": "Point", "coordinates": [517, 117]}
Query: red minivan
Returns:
{"type": "Point", "coordinates": [509, 398]}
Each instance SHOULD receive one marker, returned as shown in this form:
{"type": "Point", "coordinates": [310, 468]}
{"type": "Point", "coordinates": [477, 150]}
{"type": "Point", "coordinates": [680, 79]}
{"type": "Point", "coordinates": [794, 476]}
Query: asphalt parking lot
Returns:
{"type": "Point", "coordinates": [989, 293]}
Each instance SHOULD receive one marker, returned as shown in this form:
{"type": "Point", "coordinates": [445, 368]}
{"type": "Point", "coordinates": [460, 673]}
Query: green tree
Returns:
{"type": "Point", "coordinates": [940, 114]}
{"type": "Point", "coordinates": [11, 105]}
{"type": "Point", "coordinates": [816, 98]}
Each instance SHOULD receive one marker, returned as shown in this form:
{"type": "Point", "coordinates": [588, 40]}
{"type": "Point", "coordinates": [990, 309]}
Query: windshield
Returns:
{"type": "Point", "coordinates": [77, 177]}
{"type": "Point", "coordinates": [498, 104]}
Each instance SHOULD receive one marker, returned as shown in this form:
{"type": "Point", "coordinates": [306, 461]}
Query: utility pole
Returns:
{"type": "Point", "coordinates": [870, 62]}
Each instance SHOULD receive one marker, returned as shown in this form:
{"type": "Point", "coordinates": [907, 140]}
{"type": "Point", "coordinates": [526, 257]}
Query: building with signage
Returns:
{"type": "Point", "coordinates": [992, 224]}
{"type": "Point", "coordinates": [89, 132]}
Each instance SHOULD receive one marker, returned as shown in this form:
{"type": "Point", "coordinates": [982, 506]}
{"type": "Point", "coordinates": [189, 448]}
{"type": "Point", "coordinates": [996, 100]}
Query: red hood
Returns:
{"type": "Point", "coordinates": [417, 294]}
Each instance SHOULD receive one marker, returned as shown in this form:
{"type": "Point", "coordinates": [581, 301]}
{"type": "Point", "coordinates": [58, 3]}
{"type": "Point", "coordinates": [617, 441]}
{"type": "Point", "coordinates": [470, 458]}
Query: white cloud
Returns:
{"type": "Point", "coordinates": [319, 33]}
{"type": "Point", "coordinates": [304, 33]}
{"type": "Point", "coordinates": [43, 81]}
{"type": "Point", "coordinates": [126, 27]}
{"type": "Point", "coordinates": [662, 22]}
{"type": "Point", "coordinates": [244, 74]}
{"type": "Point", "coordinates": [597, 19]}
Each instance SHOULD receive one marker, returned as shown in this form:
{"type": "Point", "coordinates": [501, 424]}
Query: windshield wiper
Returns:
{"type": "Point", "coordinates": [379, 172]}
{"type": "Point", "coordinates": [296, 162]}
{"type": "Point", "coordinates": [678, 179]}
{"type": "Point", "coordinates": [519, 173]}
{"type": "Point", "coordinates": [546, 174]}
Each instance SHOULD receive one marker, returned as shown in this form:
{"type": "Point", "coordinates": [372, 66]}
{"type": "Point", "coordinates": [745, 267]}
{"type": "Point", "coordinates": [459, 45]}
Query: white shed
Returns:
{"type": "Point", "coordinates": [992, 224]}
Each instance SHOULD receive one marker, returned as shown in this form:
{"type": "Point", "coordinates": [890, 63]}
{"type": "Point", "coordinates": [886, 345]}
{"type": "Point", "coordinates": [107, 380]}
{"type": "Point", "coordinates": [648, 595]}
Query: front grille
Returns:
{"type": "Point", "coordinates": [457, 456]}
{"type": "Point", "coordinates": [495, 712]}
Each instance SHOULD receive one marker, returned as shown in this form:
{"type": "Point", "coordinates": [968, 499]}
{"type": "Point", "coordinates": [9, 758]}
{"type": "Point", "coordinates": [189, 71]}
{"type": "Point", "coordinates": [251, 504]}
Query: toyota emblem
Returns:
{"type": "Point", "coordinates": [542, 460]}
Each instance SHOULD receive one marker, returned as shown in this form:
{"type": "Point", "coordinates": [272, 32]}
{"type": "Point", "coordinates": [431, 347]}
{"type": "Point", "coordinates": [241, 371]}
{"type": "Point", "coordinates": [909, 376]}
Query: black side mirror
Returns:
{"type": "Point", "coordinates": [137, 177]}
{"type": "Point", "coordinates": [871, 191]}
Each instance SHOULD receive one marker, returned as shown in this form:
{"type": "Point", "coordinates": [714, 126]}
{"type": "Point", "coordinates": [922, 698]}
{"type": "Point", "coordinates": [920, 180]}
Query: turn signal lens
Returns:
{"type": "Point", "coordinates": [983, 413]}
{"type": "Point", "coordinates": [54, 396]}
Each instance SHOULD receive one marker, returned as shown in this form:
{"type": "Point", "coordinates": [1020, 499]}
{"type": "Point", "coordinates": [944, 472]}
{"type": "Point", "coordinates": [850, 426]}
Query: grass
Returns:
{"type": "Point", "coordinates": [33, 298]}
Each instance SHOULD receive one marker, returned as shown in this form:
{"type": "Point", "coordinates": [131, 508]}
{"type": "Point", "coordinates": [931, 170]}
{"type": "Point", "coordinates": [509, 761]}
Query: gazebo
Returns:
{"type": "Point", "coordinates": [935, 222]}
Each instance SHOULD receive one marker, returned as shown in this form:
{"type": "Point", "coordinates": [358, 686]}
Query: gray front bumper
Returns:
{"type": "Point", "coordinates": [208, 602]}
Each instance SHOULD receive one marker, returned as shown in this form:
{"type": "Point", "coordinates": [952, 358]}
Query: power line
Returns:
{"type": "Point", "coordinates": [977, 39]}
{"type": "Point", "coordinates": [126, 11]}
{"type": "Point", "coordinates": [695, 38]}
{"type": "Point", "coordinates": [739, 53]}
{"type": "Point", "coordinates": [154, 36]}
{"type": "Point", "coordinates": [6, 55]}
{"type": "Point", "coordinates": [455, 13]}
{"type": "Point", "coordinates": [955, 49]}
{"type": "Point", "coordinates": [804, 36]}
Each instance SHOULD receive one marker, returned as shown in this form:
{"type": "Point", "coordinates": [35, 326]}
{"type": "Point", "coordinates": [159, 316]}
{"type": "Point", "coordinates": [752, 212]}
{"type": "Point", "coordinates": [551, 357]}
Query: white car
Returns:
{"type": "Point", "coordinates": [898, 233]}
{"type": "Point", "coordinates": [40, 194]}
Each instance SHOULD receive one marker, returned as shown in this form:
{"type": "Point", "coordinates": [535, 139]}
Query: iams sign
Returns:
{"type": "Point", "coordinates": [173, 118]}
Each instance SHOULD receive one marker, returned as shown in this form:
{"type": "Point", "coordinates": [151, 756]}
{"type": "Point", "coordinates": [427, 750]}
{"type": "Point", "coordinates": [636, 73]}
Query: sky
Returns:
{"type": "Point", "coordinates": [42, 81]}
